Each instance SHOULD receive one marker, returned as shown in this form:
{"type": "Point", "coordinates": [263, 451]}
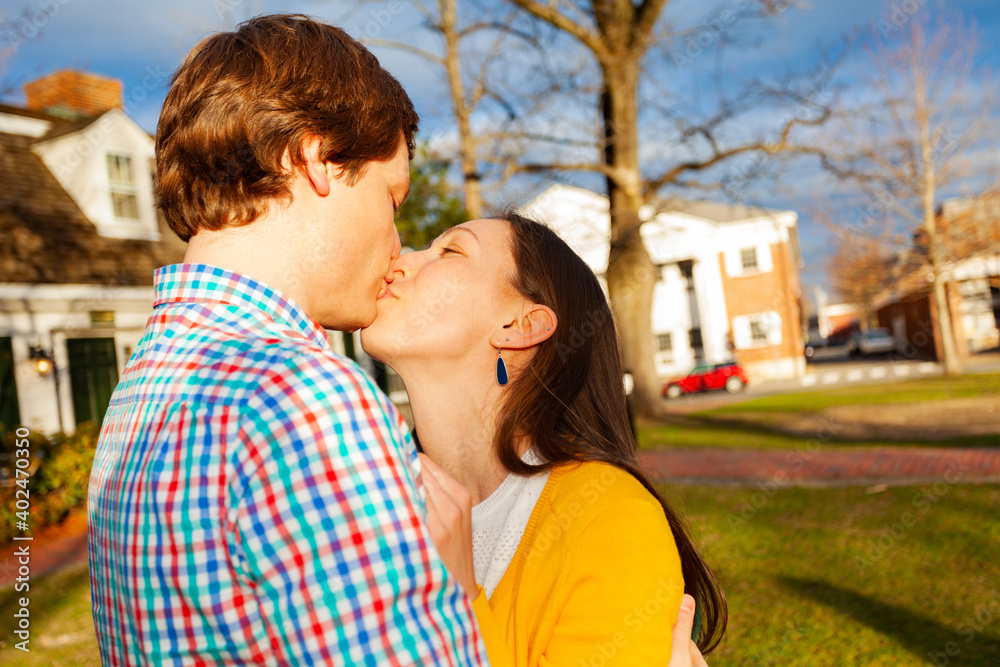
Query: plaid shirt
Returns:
{"type": "Point", "coordinates": [253, 498]}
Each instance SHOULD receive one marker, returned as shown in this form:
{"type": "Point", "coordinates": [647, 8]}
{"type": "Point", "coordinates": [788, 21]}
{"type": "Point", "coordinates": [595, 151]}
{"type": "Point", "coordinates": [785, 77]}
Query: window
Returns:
{"type": "Point", "coordinates": [687, 273]}
{"type": "Point", "coordinates": [664, 343]}
{"type": "Point", "coordinates": [124, 202]}
{"type": "Point", "coordinates": [695, 339]}
{"type": "Point", "coordinates": [10, 413]}
{"type": "Point", "coordinates": [757, 330]}
{"type": "Point", "coordinates": [748, 258]}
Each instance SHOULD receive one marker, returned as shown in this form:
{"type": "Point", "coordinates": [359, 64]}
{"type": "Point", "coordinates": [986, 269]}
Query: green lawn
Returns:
{"type": "Point", "coordinates": [815, 578]}
{"type": "Point", "coordinates": [839, 577]}
{"type": "Point", "coordinates": [911, 391]}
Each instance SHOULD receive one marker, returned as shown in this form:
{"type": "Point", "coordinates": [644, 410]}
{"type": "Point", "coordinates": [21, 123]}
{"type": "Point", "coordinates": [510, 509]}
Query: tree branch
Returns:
{"type": "Point", "coordinates": [402, 46]}
{"type": "Point", "coordinates": [645, 19]}
{"type": "Point", "coordinates": [534, 168]}
{"type": "Point", "coordinates": [551, 15]}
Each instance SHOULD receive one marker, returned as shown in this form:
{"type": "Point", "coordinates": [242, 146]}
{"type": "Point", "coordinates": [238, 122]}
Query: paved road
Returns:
{"type": "Point", "coordinates": [832, 373]}
{"type": "Point", "coordinates": [824, 466]}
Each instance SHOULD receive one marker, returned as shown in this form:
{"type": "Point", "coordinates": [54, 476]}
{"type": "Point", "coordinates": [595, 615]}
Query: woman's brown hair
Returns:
{"type": "Point", "coordinates": [242, 100]}
{"type": "Point", "coordinates": [570, 401]}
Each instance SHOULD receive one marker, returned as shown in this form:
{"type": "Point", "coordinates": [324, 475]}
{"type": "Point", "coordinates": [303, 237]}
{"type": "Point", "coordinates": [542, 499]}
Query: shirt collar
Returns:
{"type": "Point", "coordinates": [203, 283]}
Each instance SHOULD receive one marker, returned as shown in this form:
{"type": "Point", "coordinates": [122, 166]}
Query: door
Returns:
{"type": "Point", "coordinates": [93, 374]}
{"type": "Point", "coordinates": [10, 412]}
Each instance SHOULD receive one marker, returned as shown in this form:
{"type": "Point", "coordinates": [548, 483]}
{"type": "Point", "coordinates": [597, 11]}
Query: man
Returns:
{"type": "Point", "coordinates": [253, 498]}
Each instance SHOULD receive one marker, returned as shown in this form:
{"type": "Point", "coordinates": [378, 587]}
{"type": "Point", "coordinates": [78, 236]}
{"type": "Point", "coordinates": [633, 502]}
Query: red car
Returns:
{"type": "Point", "coordinates": [729, 376]}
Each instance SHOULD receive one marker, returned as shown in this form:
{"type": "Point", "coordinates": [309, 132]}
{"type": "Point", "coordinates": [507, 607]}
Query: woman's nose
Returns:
{"type": "Point", "coordinates": [405, 264]}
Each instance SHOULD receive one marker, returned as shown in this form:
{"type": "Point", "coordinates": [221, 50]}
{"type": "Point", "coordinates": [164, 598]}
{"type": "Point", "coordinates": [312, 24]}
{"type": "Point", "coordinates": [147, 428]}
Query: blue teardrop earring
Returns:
{"type": "Point", "coordinates": [501, 368]}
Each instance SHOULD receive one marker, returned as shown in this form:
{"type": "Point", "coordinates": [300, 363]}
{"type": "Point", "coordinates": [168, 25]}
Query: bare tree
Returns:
{"type": "Point", "coordinates": [621, 37]}
{"type": "Point", "coordinates": [471, 74]}
{"type": "Point", "coordinates": [918, 137]}
{"type": "Point", "coordinates": [861, 268]}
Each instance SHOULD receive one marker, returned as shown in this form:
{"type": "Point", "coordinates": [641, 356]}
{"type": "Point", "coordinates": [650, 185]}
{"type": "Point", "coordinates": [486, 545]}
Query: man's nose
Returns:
{"type": "Point", "coordinates": [397, 249]}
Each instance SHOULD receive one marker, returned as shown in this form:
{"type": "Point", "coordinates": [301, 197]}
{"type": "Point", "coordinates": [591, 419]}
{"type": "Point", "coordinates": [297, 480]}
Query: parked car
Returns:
{"type": "Point", "coordinates": [824, 349]}
{"type": "Point", "coordinates": [729, 376]}
{"type": "Point", "coordinates": [873, 341]}
{"type": "Point", "coordinates": [811, 345]}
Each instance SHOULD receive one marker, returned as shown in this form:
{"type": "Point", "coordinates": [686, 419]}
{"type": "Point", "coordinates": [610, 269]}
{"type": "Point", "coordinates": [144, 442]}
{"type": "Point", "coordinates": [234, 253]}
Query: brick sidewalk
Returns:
{"type": "Point", "coordinates": [825, 466]}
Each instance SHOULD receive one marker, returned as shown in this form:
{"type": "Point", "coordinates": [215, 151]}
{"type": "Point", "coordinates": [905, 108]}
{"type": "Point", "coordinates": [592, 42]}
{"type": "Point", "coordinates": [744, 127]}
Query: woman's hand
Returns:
{"type": "Point", "coordinates": [685, 652]}
{"type": "Point", "coordinates": [449, 519]}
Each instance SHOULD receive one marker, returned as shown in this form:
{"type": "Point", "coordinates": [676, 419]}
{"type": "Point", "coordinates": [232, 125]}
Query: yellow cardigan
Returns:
{"type": "Point", "coordinates": [596, 579]}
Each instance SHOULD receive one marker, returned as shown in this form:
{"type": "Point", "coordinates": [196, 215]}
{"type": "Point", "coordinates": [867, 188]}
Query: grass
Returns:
{"type": "Point", "coordinates": [912, 391]}
{"type": "Point", "coordinates": [834, 577]}
{"type": "Point", "coordinates": [813, 577]}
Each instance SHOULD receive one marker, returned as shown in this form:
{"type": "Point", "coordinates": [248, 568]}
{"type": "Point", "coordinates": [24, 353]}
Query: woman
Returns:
{"type": "Point", "coordinates": [506, 345]}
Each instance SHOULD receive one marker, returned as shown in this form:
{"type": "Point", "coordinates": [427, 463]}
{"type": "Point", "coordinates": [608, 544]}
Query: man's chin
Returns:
{"type": "Point", "coordinates": [353, 323]}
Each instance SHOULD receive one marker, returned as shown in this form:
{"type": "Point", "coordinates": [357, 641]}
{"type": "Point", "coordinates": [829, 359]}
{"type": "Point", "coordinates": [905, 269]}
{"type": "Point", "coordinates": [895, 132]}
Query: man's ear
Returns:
{"type": "Point", "coordinates": [315, 168]}
{"type": "Point", "coordinates": [536, 324]}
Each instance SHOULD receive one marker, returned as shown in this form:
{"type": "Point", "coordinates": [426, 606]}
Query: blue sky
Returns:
{"type": "Point", "coordinates": [142, 42]}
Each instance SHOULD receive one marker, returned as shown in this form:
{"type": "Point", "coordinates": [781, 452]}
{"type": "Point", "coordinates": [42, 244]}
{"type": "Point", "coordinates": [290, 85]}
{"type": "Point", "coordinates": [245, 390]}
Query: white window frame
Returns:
{"type": "Point", "coordinates": [743, 330]}
{"type": "Point", "coordinates": [125, 189]}
{"type": "Point", "coordinates": [669, 349]}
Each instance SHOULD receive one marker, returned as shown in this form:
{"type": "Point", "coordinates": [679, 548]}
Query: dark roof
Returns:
{"type": "Point", "coordinates": [46, 238]}
{"type": "Point", "coordinates": [62, 129]}
{"type": "Point", "coordinates": [28, 113]}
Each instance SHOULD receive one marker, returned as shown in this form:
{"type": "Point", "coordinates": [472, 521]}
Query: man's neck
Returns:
{"type": "Point", "coordinates": [258, 250]}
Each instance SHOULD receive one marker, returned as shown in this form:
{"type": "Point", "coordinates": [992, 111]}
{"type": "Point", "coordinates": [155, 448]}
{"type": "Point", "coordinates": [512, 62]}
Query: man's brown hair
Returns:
{"type": "Point", "coordinates": [242, 99]}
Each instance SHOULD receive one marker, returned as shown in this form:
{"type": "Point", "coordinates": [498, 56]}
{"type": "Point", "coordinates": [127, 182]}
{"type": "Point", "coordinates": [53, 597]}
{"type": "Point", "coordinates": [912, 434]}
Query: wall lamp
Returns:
{"type": "Point", "coordinates": [44, 363]}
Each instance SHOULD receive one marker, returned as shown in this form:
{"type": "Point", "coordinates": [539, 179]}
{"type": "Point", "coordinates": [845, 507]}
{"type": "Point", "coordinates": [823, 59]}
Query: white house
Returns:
{"type": "Point", "coordinates": [79, 242]}
{"type": "Point", "coordinates": [728, 285]}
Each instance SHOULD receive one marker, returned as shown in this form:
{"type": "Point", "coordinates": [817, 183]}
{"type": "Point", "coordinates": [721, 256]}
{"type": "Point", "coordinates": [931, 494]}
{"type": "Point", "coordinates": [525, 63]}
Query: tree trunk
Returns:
{"type": "Point", "coordinates": [467, 144]}
{"type": "Point", "coordinates": [952, 364]}
{"type": "Point", "coordinates": [631, 275]}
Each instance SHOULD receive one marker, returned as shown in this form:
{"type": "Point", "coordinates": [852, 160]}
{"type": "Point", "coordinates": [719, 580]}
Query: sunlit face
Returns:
{"type": "Point", "coordinates": [448, 301]}
{"type": "Point", "coordinates": [363, 243]}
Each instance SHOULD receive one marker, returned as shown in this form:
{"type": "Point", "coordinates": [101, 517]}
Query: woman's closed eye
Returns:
{"type": "Point", "coordinates": [445, 251]}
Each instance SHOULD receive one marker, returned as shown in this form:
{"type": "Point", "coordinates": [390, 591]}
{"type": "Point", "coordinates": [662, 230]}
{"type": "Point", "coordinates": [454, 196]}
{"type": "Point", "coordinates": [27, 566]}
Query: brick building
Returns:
{"type": "Point", "coordinates": [729, 277]}
{"type": "Point", "coordinates": [969, 229]}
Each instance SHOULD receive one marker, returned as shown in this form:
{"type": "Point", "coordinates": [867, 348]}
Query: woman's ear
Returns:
{"type": "Point", "coordinates": [536, 324]}
{"type": "Point", "coordinates": [315, 168]}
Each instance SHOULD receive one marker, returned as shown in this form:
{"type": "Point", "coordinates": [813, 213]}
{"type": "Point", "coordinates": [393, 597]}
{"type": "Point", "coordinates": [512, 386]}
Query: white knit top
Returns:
{"type": "Point", "coordinates": [499, 522]}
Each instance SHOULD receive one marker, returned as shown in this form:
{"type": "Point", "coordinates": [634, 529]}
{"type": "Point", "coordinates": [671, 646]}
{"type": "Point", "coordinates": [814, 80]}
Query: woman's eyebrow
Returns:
{"type": "Point", "coordinates": [453, 229]}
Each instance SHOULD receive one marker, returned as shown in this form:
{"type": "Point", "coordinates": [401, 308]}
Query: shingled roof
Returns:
{"type": "Point", "coordinates": [46, 238]}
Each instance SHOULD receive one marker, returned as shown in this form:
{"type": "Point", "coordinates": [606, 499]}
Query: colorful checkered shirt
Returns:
{"type": "Point", "coordinates": [253, 499]}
